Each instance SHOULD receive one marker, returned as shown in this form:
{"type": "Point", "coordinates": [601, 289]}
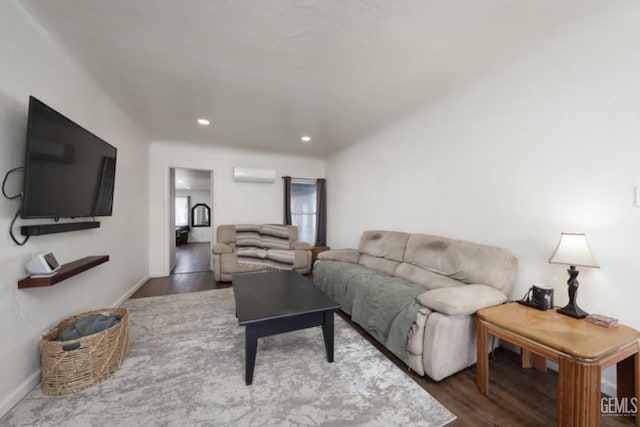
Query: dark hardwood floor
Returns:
{"type": "Point", "coordinates": [191, 274]}
{"type": "Point", "coordinates": [193, 258]}
{"type": "Point", "coordinates": [179, 284]}
{"type": "Point", "coordinates": [517, 397]}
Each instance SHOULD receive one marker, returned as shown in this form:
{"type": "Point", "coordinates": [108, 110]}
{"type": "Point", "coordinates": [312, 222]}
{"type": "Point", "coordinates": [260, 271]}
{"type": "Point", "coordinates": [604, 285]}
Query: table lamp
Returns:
{"type": "Point", "coordinates": [573, 250]}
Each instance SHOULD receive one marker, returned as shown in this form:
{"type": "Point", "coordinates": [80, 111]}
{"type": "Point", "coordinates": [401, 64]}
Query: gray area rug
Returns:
{"type": "Point", "coordinates": [186, 367]}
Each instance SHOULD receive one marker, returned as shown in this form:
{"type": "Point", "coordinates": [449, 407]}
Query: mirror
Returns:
{"type": "Point", "coordinates": [200, 215]}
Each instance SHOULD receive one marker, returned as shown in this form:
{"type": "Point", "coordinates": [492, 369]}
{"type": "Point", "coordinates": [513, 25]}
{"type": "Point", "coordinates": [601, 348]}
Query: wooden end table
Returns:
{"type": "Point", "coordinates": [317, 250]}
{"type": "Point", "coordinates": [581, 350]}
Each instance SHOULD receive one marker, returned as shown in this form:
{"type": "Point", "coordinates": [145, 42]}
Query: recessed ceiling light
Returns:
{"type": "Point", "coordinates": [306, 138]}
{"type": "Point", "coordinates": [188, 188]}
{"type": "Point", "coordinates": [203, 122]}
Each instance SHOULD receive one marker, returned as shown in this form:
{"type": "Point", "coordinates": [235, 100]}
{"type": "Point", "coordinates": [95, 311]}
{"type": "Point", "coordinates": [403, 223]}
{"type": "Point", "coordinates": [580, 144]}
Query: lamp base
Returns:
{"type": "Point", "coordinates": [573, 311]}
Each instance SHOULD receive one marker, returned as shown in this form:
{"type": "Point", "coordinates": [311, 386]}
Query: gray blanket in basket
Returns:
{"type": "Point", "coordinates": [88, 326]}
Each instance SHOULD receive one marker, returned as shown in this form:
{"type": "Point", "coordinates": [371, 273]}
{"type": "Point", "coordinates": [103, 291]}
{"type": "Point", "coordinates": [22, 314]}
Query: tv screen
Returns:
{"type": "Point", "coordinates": [69, 172]}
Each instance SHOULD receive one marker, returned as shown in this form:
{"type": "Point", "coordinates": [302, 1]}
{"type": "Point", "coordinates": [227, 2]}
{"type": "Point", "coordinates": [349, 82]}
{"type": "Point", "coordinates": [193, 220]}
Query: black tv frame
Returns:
{"type": "Point", "coordinates": [41, 229]}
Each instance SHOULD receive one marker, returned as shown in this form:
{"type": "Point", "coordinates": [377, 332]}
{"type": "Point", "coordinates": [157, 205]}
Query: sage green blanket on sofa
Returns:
{"type": "Point", "coordinates": [378, 302]}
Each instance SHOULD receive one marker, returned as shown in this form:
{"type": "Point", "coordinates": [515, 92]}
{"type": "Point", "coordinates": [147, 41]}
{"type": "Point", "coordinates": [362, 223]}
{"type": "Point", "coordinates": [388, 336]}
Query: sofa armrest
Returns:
{"type": "Point", "coordinates": [297, 244]}
{"type": "Point", "coordinates": [344, 255]}
{"type": "Point", "coordinates": [461, 300]}
{"type": "Point", "coordinates": [222, 248]}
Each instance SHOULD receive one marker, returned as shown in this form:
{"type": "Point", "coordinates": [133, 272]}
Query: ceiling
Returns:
{"type": "Point", "coordinates": [266, 73]}
{"type": "Point", "coordinates": [193, 179]}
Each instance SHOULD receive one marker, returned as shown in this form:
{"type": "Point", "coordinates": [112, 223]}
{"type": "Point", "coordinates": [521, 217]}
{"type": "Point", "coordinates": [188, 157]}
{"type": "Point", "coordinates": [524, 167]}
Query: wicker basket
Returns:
{"type": "Point", "coordinates": [97, 358]}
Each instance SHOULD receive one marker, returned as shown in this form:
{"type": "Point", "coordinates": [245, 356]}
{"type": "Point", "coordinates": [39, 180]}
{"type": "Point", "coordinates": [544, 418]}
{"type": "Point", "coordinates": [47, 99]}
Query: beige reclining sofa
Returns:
{"type": "Point", "coordinates": [258, 247]}
{"type": "Point", "coordinates": [417, 294]}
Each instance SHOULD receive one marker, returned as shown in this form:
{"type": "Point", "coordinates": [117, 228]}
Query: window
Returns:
{"type": "Point", "coordinates": [304, 210]}
{"type": "Point", "coordinates": [182, 211]}
{"type": "Point", "coordinates": [305, 206]}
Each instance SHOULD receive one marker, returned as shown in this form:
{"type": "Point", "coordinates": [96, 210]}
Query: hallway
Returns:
{"type": "Point", "coordinates": [193, 258]}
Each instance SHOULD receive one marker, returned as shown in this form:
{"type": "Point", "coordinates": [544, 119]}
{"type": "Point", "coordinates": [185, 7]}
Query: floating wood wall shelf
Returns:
{"type": "Point", "coordinates": [66, 271]}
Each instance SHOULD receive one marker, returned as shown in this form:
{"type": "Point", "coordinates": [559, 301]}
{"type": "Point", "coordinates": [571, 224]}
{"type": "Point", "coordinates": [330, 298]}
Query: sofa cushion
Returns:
{"type": "Point", "coordinates": [265, 236]}
{"type": "Point", "coordinates": [464, 261]}
{"type": "Point", "coordinates": [345, 255]}
{"type": "Point", "coordinates": [384, 244]}
{"type": "Point", "coordinates": [429, 279]}
{"type": "Point", "coordinates": [283, 256]}
{"type": "Point", "coordinates": [222, 248]}
{"type": "Point", "coordinates": [273, 242]}
{"type": "Point", "coordinates": [226, 234]}
{"type": "Point", "coordinates": [229, 265]}
{"type": "Point", "coordinates": [251, 252]}
{"type": "Point", "coordinates": [248, 238]}
{"type": "Point", "coordinates": [383, 265]}
{"type": "Point", "coordinates": [297, 244]}
{"type": "Point", "coordinates": [461, 300]}
{"type": "Point", "coordinates": [302, 260]}
{"type": "Point", "coordinates": [276, 230]}
{"type": "Point", "coordinates": [248, 227]}
{"type": "Point", "coordinates": [277, 236]}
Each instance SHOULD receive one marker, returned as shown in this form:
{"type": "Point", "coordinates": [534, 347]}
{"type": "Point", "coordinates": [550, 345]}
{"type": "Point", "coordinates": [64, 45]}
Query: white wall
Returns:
{"type": "Point", "coordinates": [197, 234]}
{"type": "Point", "coordinates": [548, 144]}
{"type": "Point", "coordinates": [32, 64]}
{"type": "Point", "coordinates": [233, 202]}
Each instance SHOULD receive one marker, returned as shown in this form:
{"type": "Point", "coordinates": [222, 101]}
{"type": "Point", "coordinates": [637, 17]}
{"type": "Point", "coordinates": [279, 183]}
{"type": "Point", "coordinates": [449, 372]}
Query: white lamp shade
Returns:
{"type": "Point", "coordinates": [573, 249]}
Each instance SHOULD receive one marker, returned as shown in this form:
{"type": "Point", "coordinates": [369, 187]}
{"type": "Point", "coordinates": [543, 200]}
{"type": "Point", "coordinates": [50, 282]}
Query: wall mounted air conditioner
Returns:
{"type": "Point", "coordinates": [242, 174]}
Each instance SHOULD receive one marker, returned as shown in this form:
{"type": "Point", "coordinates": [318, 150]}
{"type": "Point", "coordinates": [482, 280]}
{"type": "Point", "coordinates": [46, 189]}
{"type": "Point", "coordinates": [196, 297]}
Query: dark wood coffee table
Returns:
{"type": "Point", "coordinates": [277, 302]}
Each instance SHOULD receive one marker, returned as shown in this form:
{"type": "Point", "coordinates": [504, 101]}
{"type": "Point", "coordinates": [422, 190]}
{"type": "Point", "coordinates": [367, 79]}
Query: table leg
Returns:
{"type": "Point", "coordinates": [327, 332]}
{"type": "Point", "coordinates": [482, 368]}
{"type": "Point", "coordinates": [628, 381]}
{"type": "Point", "coordinates": [579, 393]}
{"type": "Point", "coordinates": [532, 360]}
{"type": "Point", "coordinates": [250, 349]}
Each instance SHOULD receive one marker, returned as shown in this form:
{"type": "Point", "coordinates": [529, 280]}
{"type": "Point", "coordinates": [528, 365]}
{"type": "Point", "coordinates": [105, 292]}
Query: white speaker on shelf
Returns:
{"type": "Point", "coordinates": [242, 174]}
{"type": "Point", "coordinates": [43, 265]}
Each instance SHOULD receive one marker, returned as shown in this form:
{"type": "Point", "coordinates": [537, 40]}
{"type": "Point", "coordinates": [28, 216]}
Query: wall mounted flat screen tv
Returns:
{"type": "Point", "coordinates": [69, 172]}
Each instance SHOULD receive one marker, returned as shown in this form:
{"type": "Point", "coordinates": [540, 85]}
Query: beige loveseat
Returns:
{"type": "Point", "coordinates": [418, 294]}
{"type": "Point", "coordinates": [258, 247]}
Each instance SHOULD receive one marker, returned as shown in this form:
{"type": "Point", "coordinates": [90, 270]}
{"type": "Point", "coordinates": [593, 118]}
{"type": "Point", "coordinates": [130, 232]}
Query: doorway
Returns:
{"type": "Point", "coordinates": [191, 209]}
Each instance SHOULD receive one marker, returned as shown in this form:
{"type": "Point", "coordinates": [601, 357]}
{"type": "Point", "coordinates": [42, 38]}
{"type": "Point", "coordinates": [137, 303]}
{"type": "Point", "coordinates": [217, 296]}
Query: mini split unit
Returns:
{"type": "Point", "coordinates": [242, 174]}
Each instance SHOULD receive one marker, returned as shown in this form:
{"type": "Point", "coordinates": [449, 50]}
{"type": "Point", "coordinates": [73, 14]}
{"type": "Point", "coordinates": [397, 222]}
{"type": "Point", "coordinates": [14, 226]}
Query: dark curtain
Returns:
{"type": "Point", "coordinates": [188, 210]}
{"type": "Point", "coordinates": [287, 199]}
{"type": "Point", "coordinates": [321, 207]}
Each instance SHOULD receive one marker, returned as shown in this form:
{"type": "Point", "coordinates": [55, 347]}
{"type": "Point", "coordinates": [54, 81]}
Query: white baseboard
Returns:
{"type": "Point", "coordinates": [157, 275]}
{"type": "Point", "coordinates": [20, 392]}
{"type": "Point", "coordinates": [130, 292]}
